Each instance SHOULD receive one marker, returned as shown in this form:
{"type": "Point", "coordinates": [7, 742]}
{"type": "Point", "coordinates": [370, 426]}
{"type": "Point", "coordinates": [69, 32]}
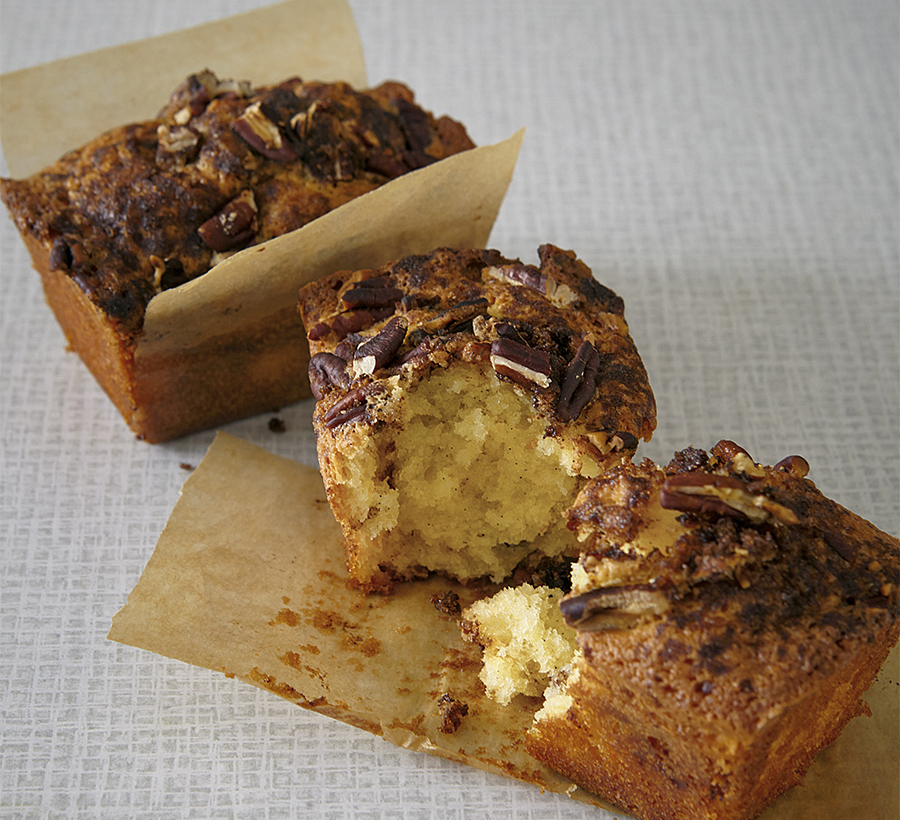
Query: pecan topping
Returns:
{"type": "Point", "coordinates": [263, 135]}
{"type": "Point", "coordinates": [527, 275]}
{"type": "Point", "coordinates": [797, 465]}
{"type": "Point", "coordinates": [234, 225]}
{"type": "Point", "coordinates": [622, 440]}
{"type": "Point", "coordinates": [381, 348]}
{"type": "Point", "coordinates": [367, 294]}
{"type": "Point", "coordinates": [177, 140]}
{"type": "Point", "coordinates": [580, 382]}
{"type": "Point", "coordinates": [728, 450]}
{"type": "Point", "coordinates": [347, 409]}
{"type": "Point", "coordinates": [457, 315]}
{"type": "Point", "coordinates": [354, 320]}
{"type": "Point", "coordinates": [325, 370]}
{"type": "Point", "coordinates": [302, 122]}
{"type": "Point", "coordinates": [521, 363]}
{"type": "Point", "coordinates": [609, 608]}
{"type": "Point", "coordinates": [707, 493]}
{"type": "Point", "coordinates": [319, 331]}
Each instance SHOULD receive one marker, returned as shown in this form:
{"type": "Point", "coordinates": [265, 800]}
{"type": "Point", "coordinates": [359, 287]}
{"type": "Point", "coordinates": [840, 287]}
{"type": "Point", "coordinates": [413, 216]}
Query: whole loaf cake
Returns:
{"type": "Point", "coordinates": [463, 400]}
{"type": "Point", "coordinates": [152, 205]}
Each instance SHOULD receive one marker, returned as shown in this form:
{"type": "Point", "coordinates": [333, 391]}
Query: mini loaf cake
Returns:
{"type": "Point", "coordinates": [152, 205]}
{"type": "Point", "coordinates": [729, 617]}
{"type": "Point", "coordinates": [463, 399]}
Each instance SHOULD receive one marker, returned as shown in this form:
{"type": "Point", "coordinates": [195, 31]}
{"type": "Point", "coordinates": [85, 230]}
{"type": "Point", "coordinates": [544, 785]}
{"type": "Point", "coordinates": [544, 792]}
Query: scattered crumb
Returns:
{"type": "Point", "coordinates": [448, 603]}
{"type": "Point", "coordinates": [277, 425]}
{"type": "Point", "coordinates": [452, 711]}
{"type": "Point", "coordinates": [185, 466]}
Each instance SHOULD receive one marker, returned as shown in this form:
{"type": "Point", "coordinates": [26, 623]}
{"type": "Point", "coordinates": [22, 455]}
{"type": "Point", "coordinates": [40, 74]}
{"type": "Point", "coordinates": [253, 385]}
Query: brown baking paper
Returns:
{"type": "Point", "coordinates": [248, 579]}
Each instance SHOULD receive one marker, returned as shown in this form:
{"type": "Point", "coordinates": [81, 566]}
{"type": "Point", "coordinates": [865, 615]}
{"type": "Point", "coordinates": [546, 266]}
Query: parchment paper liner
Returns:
{"type": "Point", "coordinates": [248, 579]}
{"type": "Point", "coordinates": [49, 109]}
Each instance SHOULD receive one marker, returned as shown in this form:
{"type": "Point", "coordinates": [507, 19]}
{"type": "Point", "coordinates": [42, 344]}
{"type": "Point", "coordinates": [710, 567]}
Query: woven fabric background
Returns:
{"type": "Point", "coordinates": [731, 169]}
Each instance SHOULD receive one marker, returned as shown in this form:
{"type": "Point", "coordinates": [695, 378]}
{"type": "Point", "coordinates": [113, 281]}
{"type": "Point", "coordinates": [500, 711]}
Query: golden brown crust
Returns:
{"type": "Point", "coordinates": [149, 206]}
{"type": "Point", "coordinates": [723, 604]}
{"type": "Point", "coordinates": [616, 741]}
{"type": "Point", "coordinates": [465, 305]}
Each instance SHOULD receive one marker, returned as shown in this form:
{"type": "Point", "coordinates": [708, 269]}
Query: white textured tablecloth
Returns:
{"type": "Point", "coordinates": [731, 169]}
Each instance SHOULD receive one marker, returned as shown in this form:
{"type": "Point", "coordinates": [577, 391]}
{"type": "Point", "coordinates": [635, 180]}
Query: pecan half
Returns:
{"type": "Point", "coordinates": [580, 382]}
{"type": "Point", "coordinates": [524, 365]}
{"type": "Point", "coordinates": [708, 493]}
{"type": "Point", "coordinates": [381, 348]}
{"type": "Point", "coordinates": [318, 331]}
{"type": "Point", "coordinates": [518, 274]}
{"type": "Point", "coordinates": [347, 409]}
{"type": "Point", "coordinates": [263, 135]}
{"type": "Point", "coordinates": [326, 370]}
{"type": "Point", "coordinates": [609, 608]}
{"type": "Point", "coordinates": [366, 294]}
{"type": "Point", "coordinates": [234, 225]}
{"type": "Point", "coordinates": [355, 320]}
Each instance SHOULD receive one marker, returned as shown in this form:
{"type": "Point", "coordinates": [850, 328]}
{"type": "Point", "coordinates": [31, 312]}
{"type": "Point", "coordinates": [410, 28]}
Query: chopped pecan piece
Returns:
{"type": "Point", "coordinates": [727, 450]}
{"type": "Point", "coordinates": [347, 409]}
{"type": "Point", "coordinates": [367, 295]}
{"type": "Point", "coordinates": [521, 363]}
{"type": "Point", "coordinates": [622, 440]}
{"type": "Point", "coordinates": [580, 382]}
{"type": "Point", "coordinates": [612, 607]}
{"type": "Point", "coordinates": [177, 140]}
{"type": "Point", "coordinates": [233, 226]}
{"type": "Point", "coordinates": [302, 121]}
{"type": "Point", "coordinates": [457, 315]}
{"type": "Point", "coordinates": [797, 465]}
{"type": "Point", "coordinates": [263, 135]}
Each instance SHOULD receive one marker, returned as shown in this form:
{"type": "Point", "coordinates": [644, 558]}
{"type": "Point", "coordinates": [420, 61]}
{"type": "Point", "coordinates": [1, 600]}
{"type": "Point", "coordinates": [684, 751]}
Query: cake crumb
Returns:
{"type": "Point", "coordinates": [452, 711]}
{"type": "Point", "coordinates": [277, 425]}
{"type": "Point", "coordinates": [448, 603]}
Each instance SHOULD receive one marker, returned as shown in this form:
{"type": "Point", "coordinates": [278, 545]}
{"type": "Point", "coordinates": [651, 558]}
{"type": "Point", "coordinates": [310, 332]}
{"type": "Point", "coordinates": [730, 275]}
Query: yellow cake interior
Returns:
{"type": "Point", "coordinates": [461, 479]}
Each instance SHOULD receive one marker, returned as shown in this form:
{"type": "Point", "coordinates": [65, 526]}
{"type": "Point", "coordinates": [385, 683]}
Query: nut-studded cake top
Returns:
{"type": "Point", "coordinates": [551, 330]}
{"type": "Point", "coordinates": [718, 566]}
{"type": "Point", "coordinates": [148, 206]}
